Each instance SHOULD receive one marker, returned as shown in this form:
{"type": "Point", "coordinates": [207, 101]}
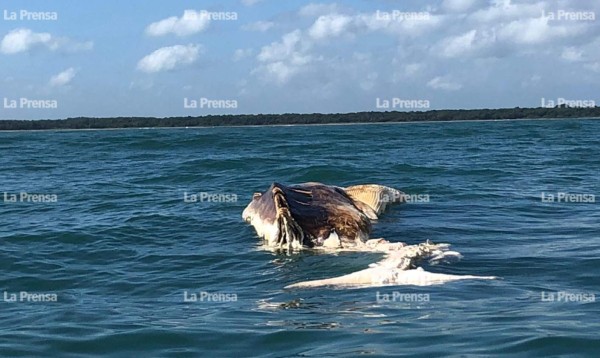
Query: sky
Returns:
{"type": "Point", "coordinates": [109, 58]}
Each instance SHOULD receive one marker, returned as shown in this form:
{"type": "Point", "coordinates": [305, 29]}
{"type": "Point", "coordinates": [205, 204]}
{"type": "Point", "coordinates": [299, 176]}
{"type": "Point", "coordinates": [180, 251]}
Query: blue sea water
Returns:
{"type": "Point", "coordinates": [121, 249]}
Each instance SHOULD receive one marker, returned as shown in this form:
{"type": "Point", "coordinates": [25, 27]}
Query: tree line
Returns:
{"type": "Point", "coordinates": [295, 118]}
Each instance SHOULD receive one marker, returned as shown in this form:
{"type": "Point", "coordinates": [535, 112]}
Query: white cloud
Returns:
{"type": "Point", "coordinates": [332, 25]}
{"type": "Point", "coordinates": [168, 58]}
{"type": "Point", "coordinates": [441, 83]}
{"type": "Point", "coordinates": [412, 69]}
{"type": "Point", "coordinates": [404, 70]}
{"type": "Point", "coordinates": [191, 22]}
{"type": "Point", "coordinates": [279, 71]}
{"type": "Point", "coordinates": [293, 54]}
{"type": "Point", "coordinates": [483, 38]}
{"type": "Point", "coordinates": [468, 43]}
{"type": "Point", "coordinates": [335, 25]}
{"type": "Point", "coordinates": [290, 46]}
{"type": "Point", "coordinates": [63, 78]}
{"type": "Point", "coordinates": [259, 26]}
{"type": "Point", "coordinates": [505, 10]}
{"type": "Point", "coordinates": [241, 53]}
{"type": "Point", "coordinates": [457, 45]}
{"type": "Point", "coordinates": [23, 40]}
{"type": "Point", "coordinates": [571, 54]}
{"type": "Point", "coordinates": [536, 31]}
{"type": "Point", "coordinates": [416, 26]}
{"type": "Point", "coordinates": [505, 28]}
{"type": "Point", "coordinates": [284, 59]}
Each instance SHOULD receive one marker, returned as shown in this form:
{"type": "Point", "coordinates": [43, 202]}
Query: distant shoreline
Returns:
{"type": "Point", "coordinates": [259, 120]}
{"type": "Point", "coordinates": [297, 125]}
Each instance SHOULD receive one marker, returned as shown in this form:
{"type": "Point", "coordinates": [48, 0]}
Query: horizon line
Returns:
{"type": "Point", "coordinates": [307, 113]}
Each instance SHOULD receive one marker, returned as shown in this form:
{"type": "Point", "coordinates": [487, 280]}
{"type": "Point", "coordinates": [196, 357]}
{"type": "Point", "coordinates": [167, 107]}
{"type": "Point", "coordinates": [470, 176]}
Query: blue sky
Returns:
{"type": "Point", "coordinates": [105, 58]}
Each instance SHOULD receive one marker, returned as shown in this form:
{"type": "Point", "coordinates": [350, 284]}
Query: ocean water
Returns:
{"type": "Point", "coordinates": [123, 252]}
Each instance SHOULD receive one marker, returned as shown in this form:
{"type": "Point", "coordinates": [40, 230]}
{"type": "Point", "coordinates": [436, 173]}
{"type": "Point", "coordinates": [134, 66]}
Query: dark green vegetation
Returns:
{"type": "Point", "coordinates": [288, 118]}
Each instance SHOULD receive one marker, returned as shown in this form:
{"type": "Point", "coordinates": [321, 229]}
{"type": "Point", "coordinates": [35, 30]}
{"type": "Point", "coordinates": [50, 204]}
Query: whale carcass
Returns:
{"type": "Point", "coordinates": [323, 217]}
{"type": "Point", "coordinates": [312, 214]}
